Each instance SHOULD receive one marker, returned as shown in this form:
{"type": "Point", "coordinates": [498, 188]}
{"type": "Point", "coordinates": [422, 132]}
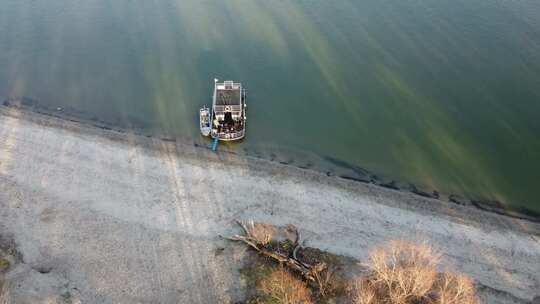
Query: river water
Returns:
{"type": "Point", "coordinates": [443, 94]}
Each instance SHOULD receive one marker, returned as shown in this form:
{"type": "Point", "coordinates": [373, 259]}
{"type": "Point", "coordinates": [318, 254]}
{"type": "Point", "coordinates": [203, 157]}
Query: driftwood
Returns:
{"type": "Point", "coordinates": [309, 272]}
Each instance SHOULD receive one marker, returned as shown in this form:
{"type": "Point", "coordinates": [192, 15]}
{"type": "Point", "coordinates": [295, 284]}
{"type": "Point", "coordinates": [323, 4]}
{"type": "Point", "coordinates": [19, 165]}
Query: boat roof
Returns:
{"type": "Point", "coordinates": [228, 93]}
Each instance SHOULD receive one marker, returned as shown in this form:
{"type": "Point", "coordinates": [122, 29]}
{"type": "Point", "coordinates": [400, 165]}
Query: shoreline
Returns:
{"type": "Point", "coordinates": [115, 217]}
{"type": "Point", "coordinates": [359, 174]}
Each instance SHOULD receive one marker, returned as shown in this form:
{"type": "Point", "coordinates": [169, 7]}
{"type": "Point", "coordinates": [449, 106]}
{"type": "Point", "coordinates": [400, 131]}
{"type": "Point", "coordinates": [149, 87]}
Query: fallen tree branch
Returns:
{"type": "Point", "coordinates": [290, 260]}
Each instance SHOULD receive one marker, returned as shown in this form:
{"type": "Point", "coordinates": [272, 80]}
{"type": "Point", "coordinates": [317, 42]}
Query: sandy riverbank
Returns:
{"type": "Point", "coordinates": [108, 217]}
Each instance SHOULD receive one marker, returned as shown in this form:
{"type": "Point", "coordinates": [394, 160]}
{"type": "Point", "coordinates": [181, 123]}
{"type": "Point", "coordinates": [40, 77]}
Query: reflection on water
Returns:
{"type": "Point", "coordinates": [445, 95]}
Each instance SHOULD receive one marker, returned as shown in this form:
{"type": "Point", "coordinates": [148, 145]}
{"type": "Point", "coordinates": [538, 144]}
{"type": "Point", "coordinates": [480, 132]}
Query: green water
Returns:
{"type": "Point", "coordinates": [444, 94]}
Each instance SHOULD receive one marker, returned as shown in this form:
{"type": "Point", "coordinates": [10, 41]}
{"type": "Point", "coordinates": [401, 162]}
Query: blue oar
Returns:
{"type": "Point", "coordinates": [214, 144]}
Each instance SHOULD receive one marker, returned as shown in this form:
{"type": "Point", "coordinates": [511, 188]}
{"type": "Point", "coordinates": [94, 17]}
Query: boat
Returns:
{"type": "Point", "coordinates": [228, 111]}
{"type": "Point", "coordinates": [204, 121]}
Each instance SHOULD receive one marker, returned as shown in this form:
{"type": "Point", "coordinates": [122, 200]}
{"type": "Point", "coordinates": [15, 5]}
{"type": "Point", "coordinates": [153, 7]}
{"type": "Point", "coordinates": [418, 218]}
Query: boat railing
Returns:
{"type": "Point", "coordinates": [230, 135]}
{"type": "Point", "coordinates": [231, 108]}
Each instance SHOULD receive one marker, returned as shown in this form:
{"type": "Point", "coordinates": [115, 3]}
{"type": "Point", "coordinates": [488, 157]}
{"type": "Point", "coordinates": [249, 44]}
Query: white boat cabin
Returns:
{"type": "Point", "coordinates": [228, 111]}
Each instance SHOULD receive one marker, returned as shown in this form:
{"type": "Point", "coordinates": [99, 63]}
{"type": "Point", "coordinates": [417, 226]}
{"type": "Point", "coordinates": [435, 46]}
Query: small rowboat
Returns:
{"type": "Point", "coordinates": [204, 121]}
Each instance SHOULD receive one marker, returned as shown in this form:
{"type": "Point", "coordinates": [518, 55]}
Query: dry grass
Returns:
{"type": "Point", "coordinates": [281, 287]}
{"type": "Point", "coordinates": [260, 232]}
{"type": "Point", "coordinates": [403, 272]}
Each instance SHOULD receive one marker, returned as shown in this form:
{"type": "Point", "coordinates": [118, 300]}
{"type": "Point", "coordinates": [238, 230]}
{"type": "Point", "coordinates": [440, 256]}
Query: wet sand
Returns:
{"type": "Point", "coordinates": [101, 216]}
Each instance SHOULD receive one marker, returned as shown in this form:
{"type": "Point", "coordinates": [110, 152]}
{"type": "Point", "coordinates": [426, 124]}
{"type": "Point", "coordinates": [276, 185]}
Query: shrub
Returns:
{"type": "Point", "coordinates": [455, 288]}
{"type": "Point", "coordinates": [281, 287]}
{"type": "Point", "coordinates": [405, 271]}
{"type": "Point", "coordinates": [402, 272]}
